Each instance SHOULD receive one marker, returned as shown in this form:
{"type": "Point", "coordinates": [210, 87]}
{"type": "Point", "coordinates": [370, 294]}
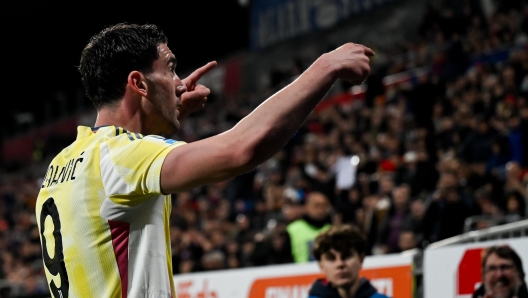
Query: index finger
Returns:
{"type": "Point", "coordinates": [369, 52]}
{"type": "Point", "coordinates": [197, 74]}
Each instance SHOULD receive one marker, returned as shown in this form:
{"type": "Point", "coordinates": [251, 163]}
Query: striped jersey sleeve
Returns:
{"type": "Point", "coordinates": [131, 166]}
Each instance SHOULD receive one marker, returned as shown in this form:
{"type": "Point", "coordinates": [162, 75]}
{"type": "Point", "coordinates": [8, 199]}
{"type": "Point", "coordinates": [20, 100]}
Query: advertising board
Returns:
{"type": "Point", "coordinates": [276, 20]}
{"type": "Point", "coordinates": [390, 274]}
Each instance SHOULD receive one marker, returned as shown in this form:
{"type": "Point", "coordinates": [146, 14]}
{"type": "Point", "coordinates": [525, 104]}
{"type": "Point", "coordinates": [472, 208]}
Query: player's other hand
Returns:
{"type": "Point", "coordinates": [351, 62]}
{"type": "Point", "coordinates": [193, 101]}
{"type": "Point", "coordinates": [196, 96]}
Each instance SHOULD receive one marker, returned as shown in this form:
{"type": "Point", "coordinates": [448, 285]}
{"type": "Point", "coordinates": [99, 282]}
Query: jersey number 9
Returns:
{"type": "Point", "coordinates": [56, 264]}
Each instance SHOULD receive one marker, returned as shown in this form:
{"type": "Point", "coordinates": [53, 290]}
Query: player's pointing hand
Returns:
{"type": "Point", "coordinates": [196, 75]}
{"type": "Point", "coordinates": [196, 96]}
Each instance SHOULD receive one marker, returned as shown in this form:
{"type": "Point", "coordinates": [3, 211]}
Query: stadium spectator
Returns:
{"type": "Point", "coordinates": [487, 206]}
{"type": "Point", "coordinates": [514, 178]}
{"type": "Point", "coordinates": [477, 146]}
{"type": "Point", "coordinates": [415, 220]}
{"type": "Point", "coordinates": [418, 172]}
{"type": "Point", "coordinates": [515, 206]}
{"type": "Point", "coordinates": [368, 222]}
{"type": "Point", "coordinates": [502, 274]}
{"type": "Point", "coordinates": [348, 206]}
{"type": "Point", "coordinates": [447, 212]}
{"type": "Point", "coordinates": [393, 223]}
{"type": "Point", "coordinates": [214, 260]}
{"type": "Point", "coordinates": [339, 252]}
{"type": "Point", "coordinates": [302, 232]}
{"type": "Point", "coordinates": [274, 248]}
{"type": "Point", "coordinates": [406, 241]}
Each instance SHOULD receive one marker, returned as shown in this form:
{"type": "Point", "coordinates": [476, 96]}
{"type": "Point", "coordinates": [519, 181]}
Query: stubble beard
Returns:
{"type": "Point", "coordinates": [168, 125]}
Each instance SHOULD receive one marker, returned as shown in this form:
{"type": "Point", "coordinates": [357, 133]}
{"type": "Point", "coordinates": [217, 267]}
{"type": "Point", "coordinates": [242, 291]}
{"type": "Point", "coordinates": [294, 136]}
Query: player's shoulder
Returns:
{"type": "Point", "coordinates": [124, 138]}
{"type": "Point", "coordinates": [136, 139]}
{"type": "Point", "coordinates": [160, 139]}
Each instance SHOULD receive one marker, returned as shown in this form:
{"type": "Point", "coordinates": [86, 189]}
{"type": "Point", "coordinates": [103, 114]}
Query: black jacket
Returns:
{"type": "Point", "coordinates": [523, 292]}
{"type": "Point", "coordinates": [321, 288]}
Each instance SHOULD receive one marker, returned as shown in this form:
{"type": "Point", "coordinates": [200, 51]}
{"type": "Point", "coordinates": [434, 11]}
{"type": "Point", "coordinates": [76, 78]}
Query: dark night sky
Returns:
{"type": "Point", "coordinates": [42, 40]}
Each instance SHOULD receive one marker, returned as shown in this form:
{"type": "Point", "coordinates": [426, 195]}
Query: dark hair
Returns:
{"type": "Point", "coordinates": [342, 239]}
{"type": "Point", "coordinates": [504, 252]}
{"type": "Point", "coordinates": [520, 200]}
{"type": "Point", "coordinates": [112, 54]}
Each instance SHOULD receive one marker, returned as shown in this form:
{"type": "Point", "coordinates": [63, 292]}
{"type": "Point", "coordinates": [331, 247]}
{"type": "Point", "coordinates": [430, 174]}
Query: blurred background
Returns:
{"type": "Point", "coordinates": [434, 144]}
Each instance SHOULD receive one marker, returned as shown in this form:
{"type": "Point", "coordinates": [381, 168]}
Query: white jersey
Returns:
{"type": "Point", "coordinates": [103, 220]}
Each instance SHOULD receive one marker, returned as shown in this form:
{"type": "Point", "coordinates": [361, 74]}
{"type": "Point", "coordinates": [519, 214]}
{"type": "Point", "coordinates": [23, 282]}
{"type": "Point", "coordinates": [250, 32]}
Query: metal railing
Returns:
{"type": "Point", "coordinates": [505, 231]}
{"type": "Point", "coordinates": [471, 223]}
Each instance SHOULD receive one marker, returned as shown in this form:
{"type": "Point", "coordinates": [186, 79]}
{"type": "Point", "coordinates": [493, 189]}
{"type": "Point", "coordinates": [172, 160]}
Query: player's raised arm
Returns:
{"type": "Point", "coordinates": [265, 130]}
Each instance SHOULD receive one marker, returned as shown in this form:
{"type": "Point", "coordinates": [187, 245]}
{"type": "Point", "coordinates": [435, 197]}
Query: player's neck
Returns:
{"type": "Point", "coordinates": [119, 117]}
{"type": "Point", "coordinates": [349, 292]}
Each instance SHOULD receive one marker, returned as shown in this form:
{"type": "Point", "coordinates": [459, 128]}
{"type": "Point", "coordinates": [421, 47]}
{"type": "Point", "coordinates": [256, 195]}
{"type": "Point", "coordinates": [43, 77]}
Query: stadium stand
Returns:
{"type": "Point", "coordinates": [433, 145]}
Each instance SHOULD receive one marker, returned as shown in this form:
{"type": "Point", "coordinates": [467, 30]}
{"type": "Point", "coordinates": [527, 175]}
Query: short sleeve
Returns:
{"type": "Point", "coordinates": [131, 164]}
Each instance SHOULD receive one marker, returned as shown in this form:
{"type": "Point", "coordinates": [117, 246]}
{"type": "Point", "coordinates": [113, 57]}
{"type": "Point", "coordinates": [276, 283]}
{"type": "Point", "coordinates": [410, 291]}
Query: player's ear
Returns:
{"type": "Point", "coordinates": [137, 83]}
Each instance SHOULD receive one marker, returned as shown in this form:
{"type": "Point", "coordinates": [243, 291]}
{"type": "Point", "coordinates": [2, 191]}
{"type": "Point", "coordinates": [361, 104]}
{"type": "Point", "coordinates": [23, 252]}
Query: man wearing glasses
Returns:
{"type": "Point", "coordinates": [502, 274]}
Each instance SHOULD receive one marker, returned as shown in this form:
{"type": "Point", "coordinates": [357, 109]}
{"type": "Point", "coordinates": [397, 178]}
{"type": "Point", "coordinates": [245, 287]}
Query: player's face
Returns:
{"type": "Point", "coordinates": [341, 270]}
{"type": "Point", "coordinates": [501, 277]}
{"type": "Point", "coordinates": [164, 94]}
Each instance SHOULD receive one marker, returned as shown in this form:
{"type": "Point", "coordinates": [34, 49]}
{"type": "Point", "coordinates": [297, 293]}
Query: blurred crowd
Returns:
{"type": "Point", "coordinates": [409, 163]}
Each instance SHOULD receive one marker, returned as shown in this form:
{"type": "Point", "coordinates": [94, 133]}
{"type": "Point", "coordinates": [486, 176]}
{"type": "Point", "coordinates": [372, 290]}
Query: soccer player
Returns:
{"type": "Point", "coordinates": [104, 206]}
{"type": "Point", "coordinates": [340, 251]}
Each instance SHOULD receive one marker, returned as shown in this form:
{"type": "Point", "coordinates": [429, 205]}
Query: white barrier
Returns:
{"type": "Point", "coordinates": [390, 274]}
{"type": "Point", "coordinates": [455, 270]}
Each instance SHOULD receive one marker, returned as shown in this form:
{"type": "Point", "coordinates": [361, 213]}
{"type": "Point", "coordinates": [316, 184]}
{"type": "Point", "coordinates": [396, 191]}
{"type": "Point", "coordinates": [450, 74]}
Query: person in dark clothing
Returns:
{"type": "Point", "coordinates": [515, 206]}
{"type": "Point", "coordinates": [423, 109]}
{"type": "Point", "coordinates": [501, 154]}
{"type": "Point", "coordinates": [414, 222]}
{"type": "Point", "coordinates": [418, 172]}
{"type": "Point", "coordinates": [502, 274]}
{"type": "Point", "coordinates": [480, 178]}
{"type": "Point", "coordinates": [517, 137]}
{"type": "Point", "coordinates": [339, 252]}
{"type": "Point", "coordinates": [322, 288]}
{"type": "Point", "coordinates": [273, 249]}
{"type": "Point", "coordinates": [367, 221]}
{"type": "Point", "coordinates": [350, 202]}
{"type": "Point", "coordinates": [477, 147]}
{"type": "Point", "coordinates": [393, 223]}
{"type": "Point", "coordinates": [445, 216]}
